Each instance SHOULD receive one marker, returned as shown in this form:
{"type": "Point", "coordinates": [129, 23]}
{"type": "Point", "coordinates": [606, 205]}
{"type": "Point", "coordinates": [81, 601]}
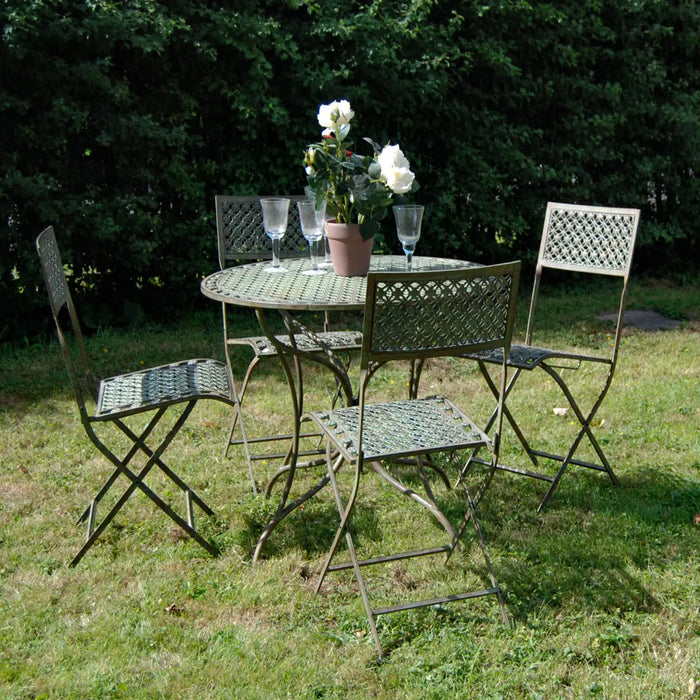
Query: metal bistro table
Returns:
{"type": "Point", "coordinates": [251, 286]}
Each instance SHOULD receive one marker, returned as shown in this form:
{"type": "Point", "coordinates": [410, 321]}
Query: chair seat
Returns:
{"type": "Point", "coordinates": [336, 340]}
{"type": "Point", "coordinates": [530, 356]}
{"type": "Point", "coordinates": [401, 428]}
{"type": "Point", "coordinates": [138, 391]}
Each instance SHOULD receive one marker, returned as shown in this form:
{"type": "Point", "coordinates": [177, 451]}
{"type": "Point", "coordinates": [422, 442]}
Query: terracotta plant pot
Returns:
{"type": "Point", "coordinates": [349, 252]}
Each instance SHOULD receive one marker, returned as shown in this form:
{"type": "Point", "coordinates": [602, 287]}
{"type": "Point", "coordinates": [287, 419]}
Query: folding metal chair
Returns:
{"type": "Point", "coordinates": [582, 239]}
{"type": "Point", "coordinates": [418, 315]}
{"type": "Point", "coordinates": [117, 398]}
{"type": "Point", "coordinates": [241, 237]}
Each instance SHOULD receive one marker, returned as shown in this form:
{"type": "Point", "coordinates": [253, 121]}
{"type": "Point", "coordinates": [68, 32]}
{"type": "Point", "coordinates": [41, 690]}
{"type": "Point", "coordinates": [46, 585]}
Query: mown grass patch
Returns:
{"type": "Point", "coordinates": [602, 587]}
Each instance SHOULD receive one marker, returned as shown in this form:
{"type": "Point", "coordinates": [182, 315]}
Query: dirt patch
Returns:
{"type": "Point", "coordinates": [643, 318]}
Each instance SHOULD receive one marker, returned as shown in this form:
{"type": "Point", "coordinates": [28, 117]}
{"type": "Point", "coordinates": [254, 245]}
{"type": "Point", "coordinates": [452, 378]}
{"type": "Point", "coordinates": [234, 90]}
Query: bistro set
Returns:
{"type": "Point", "coordinates": [414, 309]}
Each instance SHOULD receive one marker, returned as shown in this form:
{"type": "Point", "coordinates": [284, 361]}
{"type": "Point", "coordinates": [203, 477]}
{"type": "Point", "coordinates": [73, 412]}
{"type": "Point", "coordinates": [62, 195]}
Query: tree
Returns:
{"type": "Point", "coordinates": [121, 121]}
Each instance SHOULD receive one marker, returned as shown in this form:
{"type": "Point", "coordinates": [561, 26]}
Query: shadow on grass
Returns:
{"type": "Point", "coordinates": [584, 549]}
{"type": "Point", "coordinates": [588, 553]}
{"type": "Point", "coordinates": [584, 552]}
{"type": "Point", "coordinates": [310, 528]}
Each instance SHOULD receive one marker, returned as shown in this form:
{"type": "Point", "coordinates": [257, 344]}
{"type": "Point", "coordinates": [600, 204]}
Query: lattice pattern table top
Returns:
{"type": "Point", "coordinates": [250, 285]}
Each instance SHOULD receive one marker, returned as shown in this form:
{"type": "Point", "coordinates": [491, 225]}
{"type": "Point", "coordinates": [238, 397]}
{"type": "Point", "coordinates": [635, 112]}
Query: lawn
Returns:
{"type": "Point", "coordinates": [602, 587]}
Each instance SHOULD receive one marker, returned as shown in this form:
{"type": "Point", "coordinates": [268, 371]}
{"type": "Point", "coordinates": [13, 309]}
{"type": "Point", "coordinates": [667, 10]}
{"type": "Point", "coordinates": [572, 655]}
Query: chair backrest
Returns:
{"type": "Point", "coordinates": [439, 313]}
{"type": "Point", "coordinates": [580, 238]}
{"type": "Point", "coordinates": [241, 235]}
{"type": "Point", "coordinates": [588, 239]}
{"type": "Point", "coordinates": [83, 382]}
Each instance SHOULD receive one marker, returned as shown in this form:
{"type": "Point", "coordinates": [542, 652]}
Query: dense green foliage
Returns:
{"type": "Point", "coordinates": [121, 120]}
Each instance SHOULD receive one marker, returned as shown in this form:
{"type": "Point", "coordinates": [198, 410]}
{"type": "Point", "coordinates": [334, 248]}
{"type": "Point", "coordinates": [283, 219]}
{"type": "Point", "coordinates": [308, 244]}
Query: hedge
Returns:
{"type": "Point", "coordinates": [122, 120]}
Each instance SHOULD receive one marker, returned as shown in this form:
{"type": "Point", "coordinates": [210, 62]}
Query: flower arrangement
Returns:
{"type": "Point", "coordinates": [356, 188]}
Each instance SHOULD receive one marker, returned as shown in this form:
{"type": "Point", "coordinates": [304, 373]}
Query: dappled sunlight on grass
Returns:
{"type": "Point", "coordinates": [602, 587]}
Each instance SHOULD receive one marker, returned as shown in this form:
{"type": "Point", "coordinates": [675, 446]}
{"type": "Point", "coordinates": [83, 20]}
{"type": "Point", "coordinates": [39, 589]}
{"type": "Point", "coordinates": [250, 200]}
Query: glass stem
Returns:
{"type": "Point", "coordinates": [313, 248]}
{"type": "Point", "coordinates": [409, 261]}
{"type": "Point", "coordinates": [275, 252]}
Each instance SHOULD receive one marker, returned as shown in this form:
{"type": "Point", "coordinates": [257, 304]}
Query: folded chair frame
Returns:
{"type": "Point", "coordinates": [136, 480]}
{"type": "Point", "coordinates": [241, 238]}
{"type": "Point", "coordinates": [151, 391]}
{"type": "Point", "coordinates": [583, 239]}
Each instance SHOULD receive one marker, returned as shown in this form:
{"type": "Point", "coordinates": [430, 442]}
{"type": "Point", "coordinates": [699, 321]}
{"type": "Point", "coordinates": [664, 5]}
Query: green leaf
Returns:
{"type": "Point", "coordinates": [369, 228]}
{"type": "Point", "coordinates": [343, 131]}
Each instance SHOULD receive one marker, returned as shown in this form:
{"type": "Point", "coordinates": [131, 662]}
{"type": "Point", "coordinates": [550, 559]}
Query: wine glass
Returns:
{"type": "Point", "coordinates": [408, 220]}
{"type": "Point", "coordinates": [275, 212]}
{"type": "Point", "coordinates": [327, 262]}
{"type": "Point", "coordinates": [312, 221]}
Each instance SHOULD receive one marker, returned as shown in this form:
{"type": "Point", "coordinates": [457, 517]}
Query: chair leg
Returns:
{"type": "Point", "coordinates": [344, 515]}
{"type": "Point", "coordinates": [534, 454]}
{"type": "Point", "coordinates": [428, 503]}
{"type": "Point", "coordinates": [238, 420]}
{"type": "Point", "coordinates": [363, 592]}
{"type": "Point", "coordinates": [284, 469]}
{"type": "Point", "coordinates": [416, 369]}
{"type": "Point", "coordinates": [506, 412]}
{"type": "Point", "coordinates": [189, 492]}
{"type": "Point", "coordinates": [474, 456]}
{"type": "Point", "coordinates": [472, 502]}
{"type": "Point", "coordinates": [137, 481]}
{"type": "Point", "coordinates": [89, 511]}
{"type": "Point", "coordinates": [495, 588]}
{"type": "Point", "coordinates": [286, 508]}
{"type": "Point", "coordinates": [585, 423]}
{"type": "Point", "coordinates": [248, 442]}
{"type": "Point", "coordinates": [345, 510]}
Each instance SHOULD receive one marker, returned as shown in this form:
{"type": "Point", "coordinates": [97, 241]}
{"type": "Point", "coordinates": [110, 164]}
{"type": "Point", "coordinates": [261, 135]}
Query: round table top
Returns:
{"type": "Point", "coordinates": [251, 285]}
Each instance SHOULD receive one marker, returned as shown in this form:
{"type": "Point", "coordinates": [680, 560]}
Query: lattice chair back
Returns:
{"type": "Point", "coordinates": [241, 235]}
{"type": "Point", "coordinates": [581, 238]}
{"type": "Point", "coordinates": [429, 314]}
{"type": "Point", "coordinates": [588, 239]}
{"type": "Point", "coordinates": [83, 381]}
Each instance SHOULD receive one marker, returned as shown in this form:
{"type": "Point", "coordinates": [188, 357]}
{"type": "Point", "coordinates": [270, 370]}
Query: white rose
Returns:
{"type": "Point", "coordinates": [334, 114]}
{"type": "Point", "coordinates": [392, 157]}
{"type": "Point", "coordinates": [401, 182]}
{"type": "Point", "coordinates": [395, 170]}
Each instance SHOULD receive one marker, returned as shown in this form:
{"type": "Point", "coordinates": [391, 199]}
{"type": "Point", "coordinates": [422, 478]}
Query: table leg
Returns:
{"type": "Point", "coordinates": [287, 353]}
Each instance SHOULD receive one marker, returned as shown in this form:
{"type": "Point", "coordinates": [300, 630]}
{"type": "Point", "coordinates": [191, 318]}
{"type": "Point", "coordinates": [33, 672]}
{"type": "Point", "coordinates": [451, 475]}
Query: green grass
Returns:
{"type": "Point", "coordinates": [603, 587]}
